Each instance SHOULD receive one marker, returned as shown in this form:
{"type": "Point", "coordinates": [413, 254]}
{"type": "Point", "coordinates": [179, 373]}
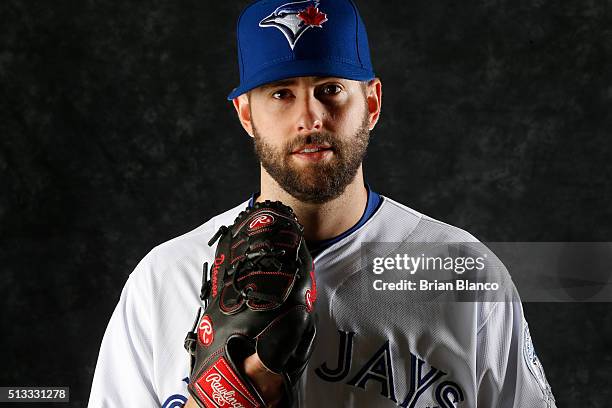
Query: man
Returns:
{"type": "Point", "coordinates": [309, 98]}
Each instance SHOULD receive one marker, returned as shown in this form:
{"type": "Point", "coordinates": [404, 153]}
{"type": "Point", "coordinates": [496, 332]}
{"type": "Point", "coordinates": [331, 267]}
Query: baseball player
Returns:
{"type": "Point", "coordinates": [309, 98]}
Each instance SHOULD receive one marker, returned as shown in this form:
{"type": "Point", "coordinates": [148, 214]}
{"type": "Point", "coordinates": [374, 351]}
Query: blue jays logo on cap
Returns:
{"type": "Point", "coordinates": [294, 19]}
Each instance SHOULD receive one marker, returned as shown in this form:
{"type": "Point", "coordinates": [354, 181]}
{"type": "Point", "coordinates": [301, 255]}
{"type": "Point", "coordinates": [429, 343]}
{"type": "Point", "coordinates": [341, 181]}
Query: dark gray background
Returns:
{"type": "Point", "coordinates": [116, 136]}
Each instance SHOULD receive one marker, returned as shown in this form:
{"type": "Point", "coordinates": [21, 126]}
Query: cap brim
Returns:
{"type": "Point", "coordinates": [299, 68]}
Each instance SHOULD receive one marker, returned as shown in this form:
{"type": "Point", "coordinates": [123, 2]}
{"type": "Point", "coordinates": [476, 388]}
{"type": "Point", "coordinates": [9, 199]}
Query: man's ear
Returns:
{"type": "Point", "coordinates": [374, 101]}
{"type": "Point", "coordinates": [243, 109]}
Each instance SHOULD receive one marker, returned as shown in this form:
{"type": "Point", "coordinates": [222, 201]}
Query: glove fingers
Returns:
{"type": "Point", "coordinates": [280, 339]}
{"type": "Point", "coordinates": [297, 363]}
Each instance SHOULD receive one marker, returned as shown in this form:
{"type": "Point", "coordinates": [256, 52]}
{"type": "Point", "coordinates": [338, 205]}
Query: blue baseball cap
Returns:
{"type": "Point", "coordinates": [278, 39]}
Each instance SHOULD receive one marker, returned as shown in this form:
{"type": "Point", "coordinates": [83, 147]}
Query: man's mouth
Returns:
{"type": "Point", "coordinates": [311, 149]}
{"type": "Point", "coordinates": [313, 152]}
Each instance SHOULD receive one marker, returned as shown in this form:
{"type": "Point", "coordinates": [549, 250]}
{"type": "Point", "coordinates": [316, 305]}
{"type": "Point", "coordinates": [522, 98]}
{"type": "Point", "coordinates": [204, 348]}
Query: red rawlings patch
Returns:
{"type": "Point", "coordinates": [311, 294]}
{"type": "Point", "coordinates": [262, 220]}
{"type": "Point", "coordinates": [219, 386]}
{"type": "Point", "coordinates": [206, 333]}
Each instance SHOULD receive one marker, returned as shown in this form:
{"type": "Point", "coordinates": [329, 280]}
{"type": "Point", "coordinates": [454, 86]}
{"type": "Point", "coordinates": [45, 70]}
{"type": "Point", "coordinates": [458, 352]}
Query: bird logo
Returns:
{"type": "Point", "coordinates": [294, 19]}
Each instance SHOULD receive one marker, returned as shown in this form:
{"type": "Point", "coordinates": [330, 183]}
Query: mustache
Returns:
{"type": "Point", "coordinates": [313, 138]}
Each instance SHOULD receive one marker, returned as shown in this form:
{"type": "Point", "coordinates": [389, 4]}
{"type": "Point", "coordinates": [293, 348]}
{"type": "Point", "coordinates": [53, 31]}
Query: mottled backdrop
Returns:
{"type": "Point", "coordinates": [115, 136]}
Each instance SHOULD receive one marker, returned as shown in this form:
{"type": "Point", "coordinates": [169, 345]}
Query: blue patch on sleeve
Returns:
{"type": "Point", "coordinates": [175, 401]}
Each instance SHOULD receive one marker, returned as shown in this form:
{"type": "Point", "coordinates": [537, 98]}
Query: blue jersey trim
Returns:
{"type": "Point", "coordinates": [374, 201]}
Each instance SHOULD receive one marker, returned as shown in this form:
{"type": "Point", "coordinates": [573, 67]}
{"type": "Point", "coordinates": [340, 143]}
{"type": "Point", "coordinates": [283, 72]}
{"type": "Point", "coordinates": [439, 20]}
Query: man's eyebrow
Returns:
{"type": "Point", "coordinates": [326, 79]}
{"type": "Point", "coordinates": [284, 82]}
{"type": "Point", "coordinates": [292, 81]}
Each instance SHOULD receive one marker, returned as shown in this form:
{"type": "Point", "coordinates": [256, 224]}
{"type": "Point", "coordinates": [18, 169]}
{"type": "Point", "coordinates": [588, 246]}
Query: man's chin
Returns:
{"type": "Point", "coordinates": [311, 176]}
{"type": "Point", "coordinates": [314, 169]}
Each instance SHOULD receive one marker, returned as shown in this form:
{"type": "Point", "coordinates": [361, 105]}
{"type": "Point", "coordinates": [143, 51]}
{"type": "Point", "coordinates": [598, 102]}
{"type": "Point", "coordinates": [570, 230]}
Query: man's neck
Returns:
{"type": "Point", "coordinates": [322, 221]}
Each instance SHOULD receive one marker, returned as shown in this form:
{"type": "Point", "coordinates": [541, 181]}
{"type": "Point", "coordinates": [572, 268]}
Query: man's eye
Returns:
{"type": "Point", "coordinates": [281, 94]}
{"type": "Point", "coordinates": [331, 89]}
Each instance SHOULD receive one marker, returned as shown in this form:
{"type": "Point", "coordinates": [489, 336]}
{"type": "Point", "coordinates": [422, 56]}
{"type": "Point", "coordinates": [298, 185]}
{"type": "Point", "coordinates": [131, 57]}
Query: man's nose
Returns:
{"type": "Point", "coordinates": [310, 114]}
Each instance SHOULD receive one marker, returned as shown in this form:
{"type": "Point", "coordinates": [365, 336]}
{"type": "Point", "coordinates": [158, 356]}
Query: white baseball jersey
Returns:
{"type": "Point", "coordinates": [368, 354]}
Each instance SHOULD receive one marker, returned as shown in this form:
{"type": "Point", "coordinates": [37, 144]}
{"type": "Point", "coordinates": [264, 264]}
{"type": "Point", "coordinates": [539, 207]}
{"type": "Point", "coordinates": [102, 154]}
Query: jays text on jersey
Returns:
{"type": "Point", "coordinates": [368, 354]}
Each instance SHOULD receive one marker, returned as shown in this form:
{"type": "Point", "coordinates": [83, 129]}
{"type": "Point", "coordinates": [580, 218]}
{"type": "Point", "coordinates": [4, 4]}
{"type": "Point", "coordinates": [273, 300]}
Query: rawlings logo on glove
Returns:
{"type": "Point", "coordinates": [260, 300]}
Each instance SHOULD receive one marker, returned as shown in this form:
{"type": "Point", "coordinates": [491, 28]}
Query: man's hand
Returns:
{"type": "Point", "coordinates": [191, 403]}
{"type": "Point", "coordinates": [268, 383]}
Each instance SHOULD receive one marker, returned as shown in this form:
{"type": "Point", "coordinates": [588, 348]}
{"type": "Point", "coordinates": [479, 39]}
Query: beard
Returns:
{"type": "Point", "coordinates": [319, 182]}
